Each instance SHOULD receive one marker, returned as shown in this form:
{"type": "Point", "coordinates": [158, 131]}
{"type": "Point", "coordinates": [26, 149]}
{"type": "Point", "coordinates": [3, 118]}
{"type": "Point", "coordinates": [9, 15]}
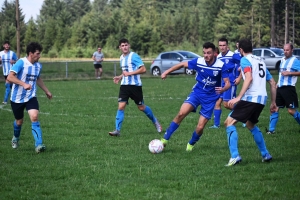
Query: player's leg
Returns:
{"type": "Point", "coordinates": [217, 113]}
{"type": "Point", "coordinates": [273, 122]}
{"type": "Point", "coordinates": [197, 133]}
{"type": "Point", "coordinates": [292, 103]}
{"type": "Point", "coordinates": [100, 71]}
{"type": "Point", "coordinates": [18, 111]}
{"type": "Point", "coordinates": [32, 107]}
{"type": "Point", "coordinates": [7, 91]}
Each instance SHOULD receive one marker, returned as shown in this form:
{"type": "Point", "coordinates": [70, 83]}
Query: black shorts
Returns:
{"type": "Point", "coordinates": [133, 92]}
{"type": "Point", "coordinates": [5, 77]}
{"type": "Point", "coordinates": [244, 111]}
{"type": "Point", "coordinates": [18, 108]}
{"type": "Point", "coordinates": [97, 66]}
{"type": "Point", "coordinates": [286, 96]}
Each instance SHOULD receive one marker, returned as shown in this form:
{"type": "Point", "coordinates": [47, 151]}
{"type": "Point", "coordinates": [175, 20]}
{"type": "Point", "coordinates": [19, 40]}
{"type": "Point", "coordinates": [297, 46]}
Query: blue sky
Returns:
{"type": "Point", "coordinates": [29, 7]}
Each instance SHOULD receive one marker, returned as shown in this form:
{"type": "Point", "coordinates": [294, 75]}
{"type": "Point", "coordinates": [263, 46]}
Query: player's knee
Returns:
{"type": "Point", "coordinates": [291, 111]}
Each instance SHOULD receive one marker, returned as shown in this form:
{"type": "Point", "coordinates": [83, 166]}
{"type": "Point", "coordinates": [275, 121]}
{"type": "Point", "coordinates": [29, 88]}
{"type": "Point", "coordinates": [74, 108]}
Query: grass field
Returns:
{"type": "Point", "coordinates": [83, 162]}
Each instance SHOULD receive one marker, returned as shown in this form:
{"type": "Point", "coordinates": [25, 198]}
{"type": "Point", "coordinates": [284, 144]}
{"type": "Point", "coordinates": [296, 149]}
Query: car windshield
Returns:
{"type": "Point", "coordinates": [189, 54]}
{"type": "Point", "coordinates": [279, 52]}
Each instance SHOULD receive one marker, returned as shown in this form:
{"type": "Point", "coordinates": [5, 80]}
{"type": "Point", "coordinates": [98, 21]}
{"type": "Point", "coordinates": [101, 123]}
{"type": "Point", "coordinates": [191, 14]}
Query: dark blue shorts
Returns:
{"type": "Point", "coordinates": [18, 108]}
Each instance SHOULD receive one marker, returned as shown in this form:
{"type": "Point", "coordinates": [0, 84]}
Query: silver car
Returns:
{"type": "Point", "coordinates": [166, 60]}
{"type": "Point", "coordinates": [271, 56]}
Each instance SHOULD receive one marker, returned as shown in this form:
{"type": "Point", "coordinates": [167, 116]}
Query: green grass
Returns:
{"type": "Point", "coordinates": [83, 162]}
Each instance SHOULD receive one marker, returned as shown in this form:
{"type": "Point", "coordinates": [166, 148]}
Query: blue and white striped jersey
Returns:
{"type": "Point", "coordinates": [131, 62]}
{"type": "Point", "coordinates": [207, 76]}
{"type": "Point", "coordinates": [28, 73]}
{"type": "Point", "coordinates": [6, 57]}
{"type": "Point", "coordinates": [291, 64]}
{"type": "Point", "coordinates": [256, 92]}
{"type": "Point", "coordinates": [231, 64]}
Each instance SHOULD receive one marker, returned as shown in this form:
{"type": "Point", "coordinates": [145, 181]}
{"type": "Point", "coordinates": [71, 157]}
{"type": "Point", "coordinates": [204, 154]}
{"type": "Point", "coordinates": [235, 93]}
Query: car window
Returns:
{"type": "Point", "coordinates": [256, 52]}
{"type": "Point", "coordinates": [278, 51]}
{"type": "Point", "coordinates": [296, 52]}
{"type": "Point", "coordinates": [268, 53]}
{"type": "Point", "coordinates": [175, 56]}
{"type": "Point", "coordinates": [188, 54]}
{"type": "Point", "coordinates": [165, 56]}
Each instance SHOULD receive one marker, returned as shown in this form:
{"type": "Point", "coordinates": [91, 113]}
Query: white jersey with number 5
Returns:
{"type": "Point", "coordinates": [256, 92]}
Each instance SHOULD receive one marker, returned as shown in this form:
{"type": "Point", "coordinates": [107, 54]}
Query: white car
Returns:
{"type": "Point", "coordinates": [271, 56]}
{"type": "Point", "coordinates": [166, 60]}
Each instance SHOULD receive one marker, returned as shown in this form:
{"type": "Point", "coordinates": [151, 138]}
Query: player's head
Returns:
{"type": "Point", "coordinates": [217, 51]}
{"type": "Point", "coordinates": [99, 49]}
{"type": "Point", "coordinates": [223, 45]}
{"type": "Point", "coordinates": [209, 52]}
{"type": "Point", "coordinates": [245, 46]}
{"type": "Point", "coordinates": [124, 46]}
{"type": "Point", "coordinates": [33, 51]}
{"type": "Point", "coordinates": [6, 45]}
{"type": "Point", "coordinates": [288, 50]}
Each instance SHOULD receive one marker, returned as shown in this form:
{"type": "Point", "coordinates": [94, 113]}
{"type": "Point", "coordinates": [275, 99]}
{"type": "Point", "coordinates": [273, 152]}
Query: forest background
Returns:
{"type": "Point", "coordinates": [75, 28]}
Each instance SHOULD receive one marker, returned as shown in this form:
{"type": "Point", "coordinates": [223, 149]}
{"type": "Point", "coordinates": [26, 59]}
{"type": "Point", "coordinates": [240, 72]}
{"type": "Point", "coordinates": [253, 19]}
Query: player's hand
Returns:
{"type": "Point", "coordinates": [163, 76]}
{"type": "Point", "coordinates": [285, 73]}
{"type": "Point", "coordinates": [116, 79]}
{"type": "Point", "coordinates": [27, 86]}
{"type": "Point", "coordinates": [49, 95]}
{"type": "Point", "coordinates": [218, 90]}
{"type": "Point", "coordinates": [12, 62]}
{"type": "Point", "coordinates": [237, 81]}
{"type": "Point", "coordinates": [125, 73]}
{"type": "Point", "coordinates": [273, 107]}
{"type": "Point", "coordinates": [232, 102]}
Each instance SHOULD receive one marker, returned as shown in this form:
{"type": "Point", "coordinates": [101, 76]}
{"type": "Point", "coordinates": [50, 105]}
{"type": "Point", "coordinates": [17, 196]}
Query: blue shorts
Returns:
{"type": "Point", "coordinates": [207, 103]}
{"type": "Point", "coordinates": [229, 94]}
{"type": "Point", "coordinates": [18, 108]}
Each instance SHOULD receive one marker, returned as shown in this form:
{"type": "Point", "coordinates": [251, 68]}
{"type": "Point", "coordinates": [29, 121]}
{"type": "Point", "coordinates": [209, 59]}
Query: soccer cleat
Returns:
{"type": "Point", "coordinates": [270, 132]}
{"type": "Point", "coordinates": [157, 126]}
{"type": "Point", "coordinates": [267, 158]}
{"type": "Point", "coordinates": [114, 133]}
{"type": "Point", "coordinates": [164, 141]}
{"type": "Point", "coordinates": [40, 148]}
{"type": "Point", "coordinates": [189, 147]}
{"type": "Point", "coordinates": [14, 142]}
{"type": "Point", "coordinates": [234, 161]}
{"type": "Point", "coordinates": [214, 126]}
{"type": "Point", "coordinates": [4, 102]}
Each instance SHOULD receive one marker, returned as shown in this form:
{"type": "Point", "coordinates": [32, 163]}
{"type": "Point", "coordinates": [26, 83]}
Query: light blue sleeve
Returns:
{"type": "Point", "coordinates": [17, 67]}
{"type": "Point", "coordinates": [15, 57]}
{"type": "Point", "coordinates": [137, 61]}
{"type": "Point", "coordinates": [268, 76]}
{"type": "Point", "coordinates": [245, 63]}
{"type": "Point", "coordinates": [296, 65]}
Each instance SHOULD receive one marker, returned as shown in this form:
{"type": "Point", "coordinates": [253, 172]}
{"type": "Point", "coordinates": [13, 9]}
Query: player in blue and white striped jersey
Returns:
{"type": "Point", "coordinates": [209, 73]}
{"type": "Point", "coordinates": [131, 86]}
{"type": "Point", "coordinates": [25, 75]}
{"type": "Point", "coordinates": [286, 95]}
{"type": "Point", "coordinates": [251, 100]}
{"type": "Point", "coordinates": [8, 58]}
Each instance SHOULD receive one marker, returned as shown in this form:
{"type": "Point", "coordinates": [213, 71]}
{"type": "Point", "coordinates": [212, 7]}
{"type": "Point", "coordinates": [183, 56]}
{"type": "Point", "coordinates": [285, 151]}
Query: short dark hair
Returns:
{"type": "Point", "coordinates": [291, 45]}
{"type": "Point", "coordinates": [223, 40]}
{"type": "Point", "coordinates": [208, 45]}
{"type": "Point", "coordinates": [6, 42]}
{"type": "Point", "coordinates": [123, 40]}
{"type": "Point", "coordinates": [246, 45]}
{"type": "Point", "coordinates": [32, 47]}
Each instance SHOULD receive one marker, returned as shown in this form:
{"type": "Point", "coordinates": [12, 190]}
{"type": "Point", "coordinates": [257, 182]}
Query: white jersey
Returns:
{"type": "Point", "coordinates": [256, 92]}
{"type": "Point", "coordinates": [131, 62]}
{"type": "Point", "coordinates": [6, 57]}
{"type": "Point", "coordinates": [28, 73]}
{"type": "Point", "coordinates": [291, 64]}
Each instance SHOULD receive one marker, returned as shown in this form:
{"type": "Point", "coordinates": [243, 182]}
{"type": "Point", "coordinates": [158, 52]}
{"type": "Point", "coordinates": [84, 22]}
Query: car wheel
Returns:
{"type": "Point", "coordinates": [189, 71]}
{"type": "Point", "coordinates": [156, 71]}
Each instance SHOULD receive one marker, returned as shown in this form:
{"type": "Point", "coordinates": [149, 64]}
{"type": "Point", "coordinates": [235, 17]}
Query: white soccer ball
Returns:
{"type": "Point", "coordinates": [156, 146]}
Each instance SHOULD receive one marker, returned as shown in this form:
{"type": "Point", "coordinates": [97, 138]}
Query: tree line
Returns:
{"type": "Point", "coordinates": [75, 28]}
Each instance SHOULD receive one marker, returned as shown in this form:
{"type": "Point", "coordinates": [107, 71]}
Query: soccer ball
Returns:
{"type": "Point", "coordinates": [156, 146]}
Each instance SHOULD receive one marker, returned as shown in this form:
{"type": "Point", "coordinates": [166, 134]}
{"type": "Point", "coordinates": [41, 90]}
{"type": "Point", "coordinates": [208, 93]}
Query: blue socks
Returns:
{"type": "Point", "coordinates": [7, 91]}
{"type": "Point", "coordinates": [37, 133]}
{"type": "Point", "coordinates": [149, 114]}
{"type": "Point", "coordinates": [259, 140]}
{"type": "Point", "coordinates": [297, 116]}
{"type": "Point", "coordinates": [17, 130]}
{"type": "Point", "coordinates": [273, 121]}
{"type": "Point", "coordinates": [172, 128]}
{"type": "Point", "coordinates": [217, 117]}
{"type": "Point", "coordinates": [232, 138]}
{"type": "Point", "coordinates": [195, 138]}
{"type": "Point", "coordinates": [119, 119]}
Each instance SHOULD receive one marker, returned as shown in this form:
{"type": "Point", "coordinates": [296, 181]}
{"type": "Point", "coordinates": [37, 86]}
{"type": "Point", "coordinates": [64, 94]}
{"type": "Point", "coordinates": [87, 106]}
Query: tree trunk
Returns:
{"type": "Point", "coordinates": [18, 28]}
{"type": "Point", "coordinates": [286, 37]}
{"type": "Point", "coordinates": [273, 36]}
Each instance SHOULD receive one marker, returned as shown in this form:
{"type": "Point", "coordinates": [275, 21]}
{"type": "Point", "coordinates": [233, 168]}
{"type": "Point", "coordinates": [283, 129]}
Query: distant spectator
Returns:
{"type": "Point", "coordinates": [98, 58]}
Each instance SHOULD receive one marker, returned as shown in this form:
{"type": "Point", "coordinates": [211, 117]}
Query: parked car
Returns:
{"type": "Point", "coordinates": [166, 60]}
{"type": "Point", "coordinates": [296, 52]}
{"type": "Point", "coordinates": [271, 56]}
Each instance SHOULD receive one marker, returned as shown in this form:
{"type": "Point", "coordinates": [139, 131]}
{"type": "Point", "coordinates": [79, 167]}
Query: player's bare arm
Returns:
{"type": "Point", "coordinates": [41, 84]}
{"type": "Point", "coordinates": [174, 68]}
{"type": "Point", "coordinates": [141, 70]}
{"type": "Point", "coordinates": [287, 73]}
{"type": "Point", "coordinates": [13, 79]}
